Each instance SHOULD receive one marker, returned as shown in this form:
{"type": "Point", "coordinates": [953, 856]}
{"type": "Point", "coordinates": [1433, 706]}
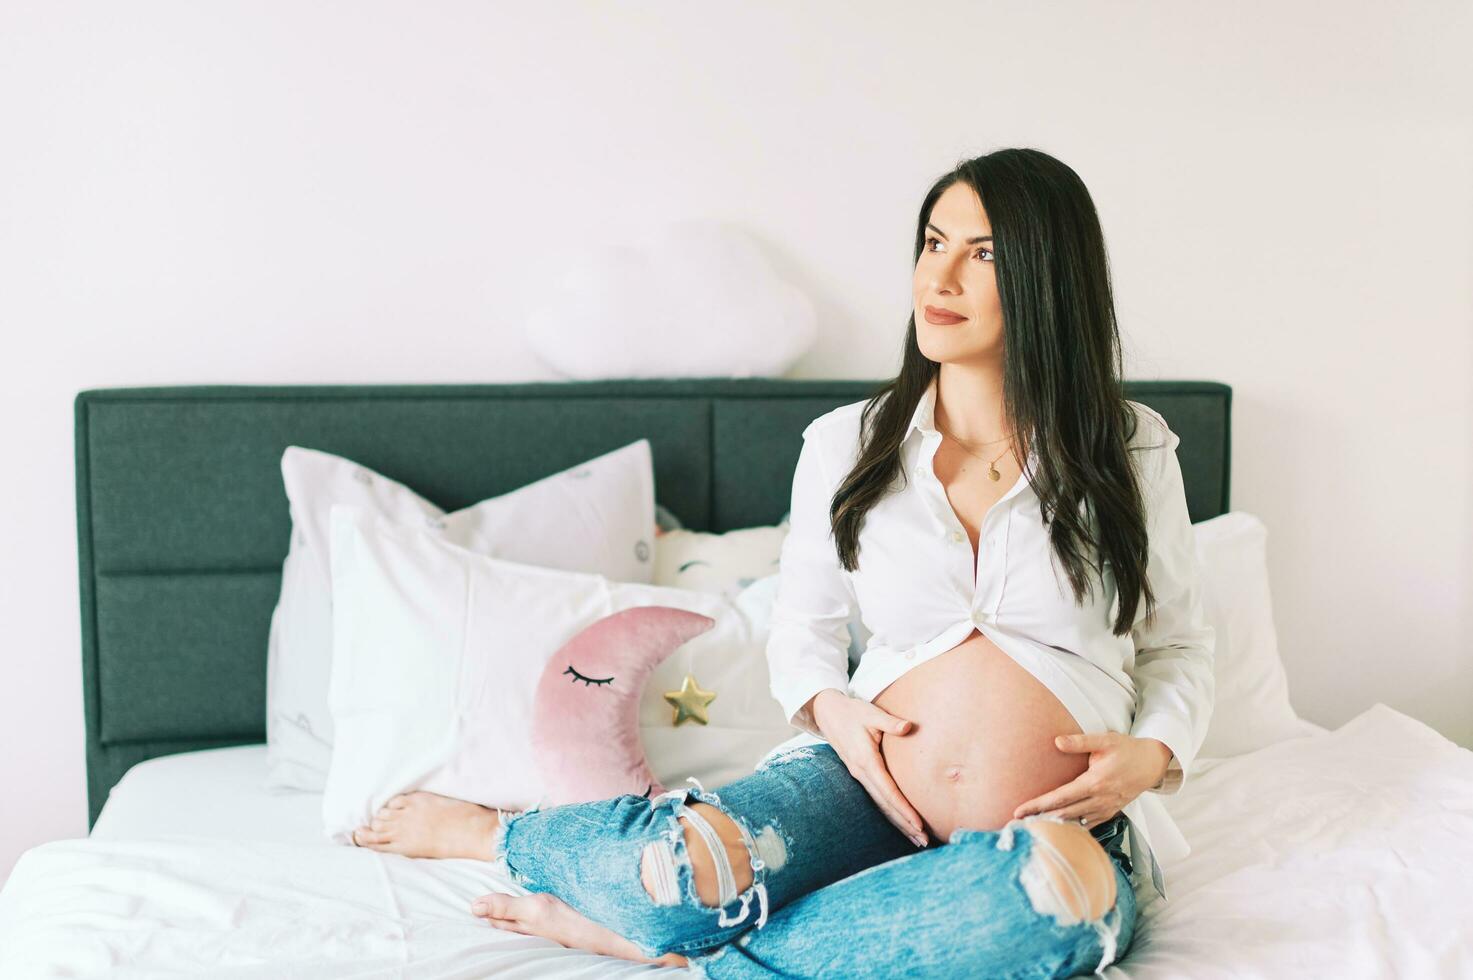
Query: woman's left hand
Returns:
{"type": "Point", "coordinates": [1121, 767]}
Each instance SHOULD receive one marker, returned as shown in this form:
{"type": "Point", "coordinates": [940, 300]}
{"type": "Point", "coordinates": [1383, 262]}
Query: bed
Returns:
{"type": "Point", "coordinates": [1332, 853]}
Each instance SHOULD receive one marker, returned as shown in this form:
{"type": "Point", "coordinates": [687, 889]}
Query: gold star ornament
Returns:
{"type": "Point", "coordinates": [690, 701]}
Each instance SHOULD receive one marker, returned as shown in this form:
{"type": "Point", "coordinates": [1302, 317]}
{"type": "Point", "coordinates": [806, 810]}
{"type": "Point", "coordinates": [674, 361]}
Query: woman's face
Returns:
{"type": "Point", "coordinates": [955, 273]}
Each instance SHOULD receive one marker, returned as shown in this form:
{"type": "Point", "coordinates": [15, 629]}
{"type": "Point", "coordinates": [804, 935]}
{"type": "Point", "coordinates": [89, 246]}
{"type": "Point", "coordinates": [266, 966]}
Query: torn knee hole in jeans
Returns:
{"type": "Point", "coordinates": [662, 860]}
{"type": "Point", "coordinates": [1056, 887]}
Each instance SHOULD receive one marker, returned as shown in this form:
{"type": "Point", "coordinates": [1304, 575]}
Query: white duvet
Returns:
{"type": "Point", "coordinates": [1345, 854]}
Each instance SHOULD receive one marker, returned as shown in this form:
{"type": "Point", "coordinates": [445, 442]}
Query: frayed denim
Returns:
{"type": "Point", "coordinates": [836, 889]}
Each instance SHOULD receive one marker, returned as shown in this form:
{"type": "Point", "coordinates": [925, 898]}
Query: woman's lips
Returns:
{"type": "Point", "coordinates": [941, 317]}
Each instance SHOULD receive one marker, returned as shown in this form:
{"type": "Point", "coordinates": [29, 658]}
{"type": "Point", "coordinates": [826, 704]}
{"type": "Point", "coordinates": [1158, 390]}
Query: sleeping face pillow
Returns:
{"type": "Point", "coordinates": [585, 711]}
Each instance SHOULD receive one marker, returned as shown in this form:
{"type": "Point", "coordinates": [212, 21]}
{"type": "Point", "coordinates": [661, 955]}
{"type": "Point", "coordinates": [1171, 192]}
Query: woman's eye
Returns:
{"type": "Point", "coordinates": [932, 238]}
{"type": "Point", "coordinates": [590, 681]}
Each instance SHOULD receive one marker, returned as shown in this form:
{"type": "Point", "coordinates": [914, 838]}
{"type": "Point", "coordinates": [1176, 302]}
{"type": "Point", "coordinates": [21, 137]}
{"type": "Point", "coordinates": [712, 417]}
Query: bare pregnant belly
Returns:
{"type": "Point", "coordinates": [983, 740]}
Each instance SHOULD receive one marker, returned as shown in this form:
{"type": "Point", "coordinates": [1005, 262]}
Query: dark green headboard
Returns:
{"type": "Point", "coordinates": [183, 524]}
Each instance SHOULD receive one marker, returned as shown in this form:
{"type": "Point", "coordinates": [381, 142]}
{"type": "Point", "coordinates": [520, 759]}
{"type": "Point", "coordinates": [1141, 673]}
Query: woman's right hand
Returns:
{"type": "Point", "coordinates": [853, 727]}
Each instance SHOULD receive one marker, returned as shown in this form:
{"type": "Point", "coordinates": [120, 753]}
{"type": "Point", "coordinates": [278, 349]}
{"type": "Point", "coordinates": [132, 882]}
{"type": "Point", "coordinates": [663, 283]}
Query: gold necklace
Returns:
{"type": "Point", "coordinates": [991, 468]}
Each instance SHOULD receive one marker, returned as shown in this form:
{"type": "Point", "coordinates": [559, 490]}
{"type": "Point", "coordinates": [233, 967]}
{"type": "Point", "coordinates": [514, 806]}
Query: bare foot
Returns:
{"type": "Point", "coordinates": [541, 914]}
{"type": "Point", "coordinates": [428, 825]}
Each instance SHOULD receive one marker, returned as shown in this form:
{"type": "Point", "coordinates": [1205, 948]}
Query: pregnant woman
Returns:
{"type": "Point", "coordinates": [1014, 533]}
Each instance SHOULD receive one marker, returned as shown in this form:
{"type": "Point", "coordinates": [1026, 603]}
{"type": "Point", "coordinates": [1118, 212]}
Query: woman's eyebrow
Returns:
{"type": "Point", "coordinates": [970, 241]}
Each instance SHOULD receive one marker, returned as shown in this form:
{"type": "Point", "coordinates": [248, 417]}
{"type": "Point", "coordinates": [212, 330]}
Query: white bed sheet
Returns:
{"type": "Point", "coordinates": [1339, 854]}
{"type": "Point", "coordinates": [219, 793]}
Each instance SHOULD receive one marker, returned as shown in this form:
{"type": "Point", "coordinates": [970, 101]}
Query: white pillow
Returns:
{"type": "Point", "coordinates": [1251, 709]}
{"type": "Point", "coordinates": [723, 564]}
{"type": "Point", "coordinates": [727, 563]}
{"type": "Point", "coordinates": [598, 516]}
{"type": "Point", "coordinates": [438, 650]}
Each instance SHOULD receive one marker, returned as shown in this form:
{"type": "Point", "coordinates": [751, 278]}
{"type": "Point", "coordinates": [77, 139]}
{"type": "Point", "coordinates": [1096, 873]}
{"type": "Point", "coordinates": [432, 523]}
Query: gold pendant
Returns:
{"type": "Point", "coordinates": [992, 472]}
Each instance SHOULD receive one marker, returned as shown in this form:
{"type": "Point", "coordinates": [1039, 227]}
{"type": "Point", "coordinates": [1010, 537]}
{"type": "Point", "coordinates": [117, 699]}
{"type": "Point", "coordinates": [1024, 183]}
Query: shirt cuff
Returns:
{"type": "Point", "coordinates": [1175, 737]}
{"type": "Point", "coordinates": [1171, 782]}
{"type": "Point", "coordinates": [796, 695]}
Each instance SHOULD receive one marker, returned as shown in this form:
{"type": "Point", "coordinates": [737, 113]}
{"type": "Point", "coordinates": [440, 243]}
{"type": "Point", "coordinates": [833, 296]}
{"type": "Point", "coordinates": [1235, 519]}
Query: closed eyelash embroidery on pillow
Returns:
{"type": "Point", "coordinates": [587, 680]}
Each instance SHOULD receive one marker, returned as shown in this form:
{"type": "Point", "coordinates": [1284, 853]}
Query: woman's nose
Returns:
{"type": "Point", "coordinates": [944, 286]}
{"type": "Point", "coordinates": [943, 279]}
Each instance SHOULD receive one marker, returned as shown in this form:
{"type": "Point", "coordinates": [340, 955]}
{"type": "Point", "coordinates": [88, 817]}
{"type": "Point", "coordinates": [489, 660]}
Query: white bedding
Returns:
{"type": "Point", "coordinates": [219, 793]}
{"type": "Point", "coordinates": [1339, 854]}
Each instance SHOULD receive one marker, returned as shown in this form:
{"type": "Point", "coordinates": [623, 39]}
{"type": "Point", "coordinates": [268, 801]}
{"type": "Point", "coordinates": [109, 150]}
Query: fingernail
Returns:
{"type": "Point", "coordinates": [479, 908]}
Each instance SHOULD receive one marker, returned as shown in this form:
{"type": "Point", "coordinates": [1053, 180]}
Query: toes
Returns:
{"type": "Point", "coordinates": [509, 925]}
{"type": "Point", "coordinates": [500, 907]}
{"type": "Point", "coordinates": [541, 906]}
{"type": "Point", "coordinates": [534, 912]}
{"type": "Point", "coordinates": [368, 837]}
{"type": "Point", "coordinates": [524, 914]}
{"type": "Point", "coordinates": [396, 803]}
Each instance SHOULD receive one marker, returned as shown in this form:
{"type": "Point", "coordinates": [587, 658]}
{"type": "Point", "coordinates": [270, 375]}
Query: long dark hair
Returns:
{"type": "Point", "coordinates": [1062, 388]}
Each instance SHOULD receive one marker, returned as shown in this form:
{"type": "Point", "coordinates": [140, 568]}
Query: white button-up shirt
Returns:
{"type": "Point", "coordinates": [917, 594]}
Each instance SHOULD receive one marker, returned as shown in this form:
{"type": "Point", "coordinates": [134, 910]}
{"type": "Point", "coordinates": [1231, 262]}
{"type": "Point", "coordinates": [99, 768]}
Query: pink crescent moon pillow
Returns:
{"type": "Point", "coordinates": [585, 711]}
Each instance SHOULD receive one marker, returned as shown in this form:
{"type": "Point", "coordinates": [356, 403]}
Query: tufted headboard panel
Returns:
{"type": "Point", "coordinates": [183, 523]}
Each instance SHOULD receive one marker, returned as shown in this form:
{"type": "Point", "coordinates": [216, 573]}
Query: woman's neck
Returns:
{"type": "Point", "coordinates": [969, 404]}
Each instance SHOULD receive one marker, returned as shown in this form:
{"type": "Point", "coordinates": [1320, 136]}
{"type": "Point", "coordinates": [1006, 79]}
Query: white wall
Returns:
{"type": "Point", "coordinates": [373, 192]}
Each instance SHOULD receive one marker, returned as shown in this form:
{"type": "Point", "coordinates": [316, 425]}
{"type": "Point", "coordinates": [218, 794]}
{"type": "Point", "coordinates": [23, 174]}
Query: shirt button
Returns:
{"type": "Point", "coordinates": [956, 536]}
{"type": "Point", "coordinates": [979, 618]}
{"type": "Point", "coordinates": [910, 655]}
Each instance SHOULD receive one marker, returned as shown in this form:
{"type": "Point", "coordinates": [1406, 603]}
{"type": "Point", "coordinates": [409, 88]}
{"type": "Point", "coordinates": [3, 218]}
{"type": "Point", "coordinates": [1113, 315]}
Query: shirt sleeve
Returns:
{"type": "Point", "coordinates": [808, 643]}
{"type": "Point", "coordinates": [1174, 655]}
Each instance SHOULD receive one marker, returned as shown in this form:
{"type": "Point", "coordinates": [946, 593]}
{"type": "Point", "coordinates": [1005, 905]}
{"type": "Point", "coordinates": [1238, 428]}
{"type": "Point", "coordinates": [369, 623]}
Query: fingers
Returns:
{"type": "Point", "coordinates": [861, 773]}
{"type": "Point", "coordinates": [1071, 814]}
{"type": "Point", "coordinates": [886, 722]}
{"type": "Point", "coordinates": [898, 801]}
{"type": "Point", "coordinates": [904, 815]}
{"type": "Point", "coordinates": [1074, 792]}
{"type": "Point", "coordinates": [873, 775]}
{"type": "Point", "coordinates": [861, 755]}
{"type": "Point", "coordinates": [888, 808]}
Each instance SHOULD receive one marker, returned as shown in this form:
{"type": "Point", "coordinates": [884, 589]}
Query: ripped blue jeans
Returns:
{"type": "Point", "coordinates": [837, 890]}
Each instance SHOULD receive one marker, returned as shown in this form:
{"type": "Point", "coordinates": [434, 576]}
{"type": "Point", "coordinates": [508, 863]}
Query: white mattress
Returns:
{"type": "Point", "coordinates": [1339, 854]}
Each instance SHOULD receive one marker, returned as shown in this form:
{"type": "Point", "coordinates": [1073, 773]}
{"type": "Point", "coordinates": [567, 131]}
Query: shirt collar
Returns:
{"type": "Point", "coordinates": [924, 417]}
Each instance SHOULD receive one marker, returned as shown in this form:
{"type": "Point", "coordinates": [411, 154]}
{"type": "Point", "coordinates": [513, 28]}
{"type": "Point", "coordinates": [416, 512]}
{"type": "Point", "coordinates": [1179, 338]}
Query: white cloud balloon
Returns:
{"type": "Point", "coordinates": [697, 299]}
